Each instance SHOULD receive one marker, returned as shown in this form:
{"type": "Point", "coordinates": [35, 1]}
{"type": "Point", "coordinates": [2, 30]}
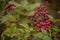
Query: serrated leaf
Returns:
{"type": "Point", "coordinates": [26, 35]}
{"type": "Point", "coordinates": [56, 20]}
{"type": "Point", "coordinates": [24, 4]}
{"type": "Point", "coordinates": [2, 4]}
{"type": "Point", "coordinates": [46, 38]}
{"type": "Point", "coordinates": [15, 38]}
{"type": "Point", "coordinates": [44, 32]}
{"type": "Point", "coordinates": [3, 19]}
{"type": "Point", "coordinates": [8, 18]}
{"type": "Point", "coordinates": [33, 6]}
{"type": "Point", "coordinates": [51, 17]}
{"type": "Point", "coordinates": [38, 35]}
{"type": "Point", "coordinates": [11, 30]}
{"type": "Point", "coordinates": [11, 17]}
{"type": "Point", "coordinates": [55, 28]}
{"type": "Point", "coordinates": [25, 25]}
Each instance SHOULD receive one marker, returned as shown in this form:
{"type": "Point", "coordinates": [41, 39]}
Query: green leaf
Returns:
{"type": "Point", "coordinates": [2, 4]}
{"type": "Point", "coordinates": [15, 38]}
{"type": "Point", "coordinates": [11, 17]}
{"type": "Point", "coordinates": [33, 6]}
{"type": "Point", "coordinates": [26, 35]}
{"type": "Point", "coordinates": [3, 19]}
{"type": "Point", "coordinates": [44, 32]}
{"type": "Point", "coordinates": [56, 20]}
{"type": "Point", "coordinates": [10, 31]}
{"type": "Point", "coordinates": [24, 4]}
{"type": "Point", "coordinates": [8, 18]}
{"type": "Point", "coordinates": [25, 26]}
{"type": "Point", "coordinates": [39, 35]}
{"type": "Point", "coordinates": [51, 17]}
{"type": "Point", "coordinates": [55, 28]}
{"type": "Point", "coordinates": [46, 38]}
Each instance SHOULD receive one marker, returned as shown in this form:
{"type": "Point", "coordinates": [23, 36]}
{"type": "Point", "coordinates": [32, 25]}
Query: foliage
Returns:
{"type": "Point", "coordinates": [17, 23]}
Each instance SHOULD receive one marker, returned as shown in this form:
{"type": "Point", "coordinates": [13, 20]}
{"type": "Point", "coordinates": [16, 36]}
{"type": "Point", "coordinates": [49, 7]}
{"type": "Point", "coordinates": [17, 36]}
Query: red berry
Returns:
{"type": "Point", "coordinates": [35, 12]}
{"type": "Point", "coordinates": [39, 30]}
{"type": "Point", "coordinates": [42, 18]}
{"type": "Point", "coordinates": [31, 18]}
{"type": "Point", "coordinates": [46, 28]}
{"type": "Point", "coordinates": [37, 26]}
{"type": "Point", "coordinates": [8, 6]}
{"type": "Point", "coordinates": [13, 8]}
{"type": "Point", "coordinates": [39, 19]}
{"type": "Point", "coordinates": [42, 23]}
{"type": "Point", "coordinates": [35, 23]}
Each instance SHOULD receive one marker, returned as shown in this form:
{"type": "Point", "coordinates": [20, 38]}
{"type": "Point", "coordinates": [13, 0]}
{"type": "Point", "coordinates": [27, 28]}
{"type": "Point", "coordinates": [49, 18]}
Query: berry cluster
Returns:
{"type": "Point", "coordinates": [41, 18]}
{"type": "Point", "coordinates": [10, 6]}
